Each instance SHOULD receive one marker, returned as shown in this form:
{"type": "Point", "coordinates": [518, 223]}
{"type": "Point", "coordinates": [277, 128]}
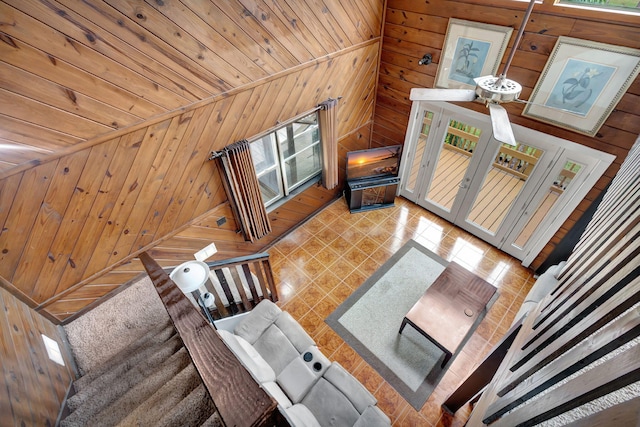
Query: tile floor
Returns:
{"type": "Point", "coordinates": [318, 265]}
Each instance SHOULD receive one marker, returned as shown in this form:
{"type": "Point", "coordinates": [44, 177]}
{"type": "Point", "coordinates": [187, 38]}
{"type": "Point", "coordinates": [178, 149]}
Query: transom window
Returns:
{"type": "Point", "coordinates": [627, 5]}
{"type": "Point", "coordinates": [287, 158]}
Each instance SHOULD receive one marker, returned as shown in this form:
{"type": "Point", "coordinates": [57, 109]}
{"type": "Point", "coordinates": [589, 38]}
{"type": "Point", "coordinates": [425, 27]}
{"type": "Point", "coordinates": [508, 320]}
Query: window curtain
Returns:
{"type": "Point", "coordinates": [327, 119]}
{"type": "Point", "coordinates": [243, 190]}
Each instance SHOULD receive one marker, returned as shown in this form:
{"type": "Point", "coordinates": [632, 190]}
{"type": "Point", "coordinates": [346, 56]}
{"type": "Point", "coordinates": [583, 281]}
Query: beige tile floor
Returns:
{"type": "Point", "coordinates": [318, 265]}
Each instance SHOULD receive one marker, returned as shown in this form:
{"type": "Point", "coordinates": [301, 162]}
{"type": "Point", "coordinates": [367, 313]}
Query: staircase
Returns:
{"type": "Point", "coordinates": [151, 382]}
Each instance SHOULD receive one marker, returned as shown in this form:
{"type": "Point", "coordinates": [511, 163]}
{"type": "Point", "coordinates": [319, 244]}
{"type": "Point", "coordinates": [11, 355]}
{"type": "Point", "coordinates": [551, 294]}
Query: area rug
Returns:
{"type": "Point", "coordinates": [369, 321]}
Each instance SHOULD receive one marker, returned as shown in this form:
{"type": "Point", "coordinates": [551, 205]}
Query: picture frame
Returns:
{"type": "Point", "coordinates": [581, 84]}
{"type": "Point", "coordinates": [471, 49]}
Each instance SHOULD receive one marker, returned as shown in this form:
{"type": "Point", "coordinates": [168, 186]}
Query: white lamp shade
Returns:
{"type": "Point", "coordinates": [190, 275]}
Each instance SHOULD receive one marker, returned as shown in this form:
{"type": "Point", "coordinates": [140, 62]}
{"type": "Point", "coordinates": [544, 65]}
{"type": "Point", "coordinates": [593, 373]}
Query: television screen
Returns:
{"type": "Point", "coordinates": [374, 162]}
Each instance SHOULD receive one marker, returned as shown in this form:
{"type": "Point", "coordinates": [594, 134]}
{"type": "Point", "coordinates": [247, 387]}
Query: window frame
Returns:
{"type": "Point", "coordinates": [285, 189]}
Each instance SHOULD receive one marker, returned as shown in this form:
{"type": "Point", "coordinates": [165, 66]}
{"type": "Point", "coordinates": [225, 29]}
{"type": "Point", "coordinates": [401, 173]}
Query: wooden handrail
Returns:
{"type": "Point", "coordinates": [239, 399]}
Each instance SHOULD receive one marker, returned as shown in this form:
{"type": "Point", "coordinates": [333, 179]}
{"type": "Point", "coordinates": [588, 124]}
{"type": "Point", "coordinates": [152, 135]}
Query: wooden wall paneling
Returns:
{"type": "Point", "coordinates": [37, 62]}
{"type": "Point", "coordinates": [35, 384]}
{"type": "Point", "coordinates": [405, 18]}
{"type": "Point", "coordinates": [267, 54]}
{"type": "Point", "coordinates": [257, 31]}
{"type": "Point", "coordinates": [62, 47]}
{"type": "Point", "coordinates": [73, 265]}
{"type": "Point", "coordinates": [125, 204]}
{"type": "Point", "coordinates": [20, 153]}
{"type": "Point", "coordinates": [47, 402]}
{"type": "Point", "coordinates": [360, 17]}
{"type": "Point", "coordinates": [172, 171]}
{"type": "Point", "coordinates": [135, 226]}
{"type": "Point", "coordinates": [22, 215]}
{"type": "Point", "coordinates": [323, 25]}
{"type": "Point", "coordinates": [76, 214]}
{"type": "Point", "coordinates": [26, 109]}
{"type": "Point", "coordinates": [8, 190]}
{"type": "Point", "coordinates": [199, 171]}
{"type": "Point", "coordinates": [83, 107]}
{"type": "Point", "coordinates": [154, 22]}
{"type": "Point", "coordinates": [343, 21]}
{"type": "Point", "coordinates": [14, 376]}
{"type": "Point", "coordinates": [92, 36]}
{"type": "Point", "coordinates": [189, 22]}
{"type": "Point", "coordinates": [279, 18]}
{"type": "Point", "coordinates": [150, 50]}
{"type": "Point", "coordinates": [50, 213]}
{"type": "Point", "coordinates": [94, 291]}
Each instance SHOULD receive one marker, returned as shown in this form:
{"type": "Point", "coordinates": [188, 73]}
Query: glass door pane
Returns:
{"type": "Point", "coordinates": [418, 153]}
{"type": "Point", "coordinates": [504, 181]}
{"type": "Point", "coordinates": [555, 191]}
{"type": "Point", "coordinates": [454, 158]}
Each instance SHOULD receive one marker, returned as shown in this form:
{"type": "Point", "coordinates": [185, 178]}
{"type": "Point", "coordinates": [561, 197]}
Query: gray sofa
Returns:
{"type": "Point", "coordinates": [543, 286]}
{"type": "Point", "coordinates": [311, 391]}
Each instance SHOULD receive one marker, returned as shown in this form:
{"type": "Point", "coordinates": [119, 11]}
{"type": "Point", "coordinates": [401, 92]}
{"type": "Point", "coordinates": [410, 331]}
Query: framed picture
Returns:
{"type": "Point", "coordinates": [471, 49]}
{"type": "Point", "coordinates": [582, 83]}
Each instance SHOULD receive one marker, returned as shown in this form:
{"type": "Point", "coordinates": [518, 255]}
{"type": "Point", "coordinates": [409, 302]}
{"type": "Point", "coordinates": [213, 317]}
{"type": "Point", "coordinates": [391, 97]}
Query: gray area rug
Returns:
{"type": "Point", "coordinates": [369, 321]}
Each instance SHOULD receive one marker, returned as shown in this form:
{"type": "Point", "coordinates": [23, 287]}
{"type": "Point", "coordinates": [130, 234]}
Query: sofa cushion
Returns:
{"type": "Point", "coordinates": [373, 417]}
{"type": "Point", "coordinates": [276, 392]}
{"type": "Point", "coordinates": [275, 348]}
{"type": "Point", "coordinates": [330, 406]}
{"type": "Point", "coordinates": [249, 357]}
{"type": "Point", "coordinates": [257, 321]}
{"type": "Point", "coordinates": [300, 416]}
{"type": "Point", "coordinates": [296, 379]}
{"type": "Point", "coordinates": [296, 333]}
{"type": "Point", "coordinates": [359, 396]}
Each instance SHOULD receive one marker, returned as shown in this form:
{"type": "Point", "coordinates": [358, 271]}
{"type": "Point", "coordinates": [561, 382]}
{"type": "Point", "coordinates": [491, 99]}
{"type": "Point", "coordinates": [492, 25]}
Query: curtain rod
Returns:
{"type": "Point", "coordinates": [216, 154]}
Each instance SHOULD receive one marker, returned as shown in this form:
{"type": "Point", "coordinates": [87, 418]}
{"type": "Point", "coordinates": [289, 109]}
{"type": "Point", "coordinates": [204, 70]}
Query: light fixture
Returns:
{"type": "Point", "coordinates": [426, 59]}
{"type": "Point", "coordinates": [190, 275]}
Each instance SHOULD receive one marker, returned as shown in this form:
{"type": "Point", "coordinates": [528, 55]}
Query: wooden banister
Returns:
{"type": "Point", "coordinates": [239, 399]}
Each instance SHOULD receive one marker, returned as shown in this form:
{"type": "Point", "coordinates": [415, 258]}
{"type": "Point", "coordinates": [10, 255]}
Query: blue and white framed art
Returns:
{"type": "Point", "coordinates": [471, 49]}
{"type": "Point", "coordinates": [582, 83]}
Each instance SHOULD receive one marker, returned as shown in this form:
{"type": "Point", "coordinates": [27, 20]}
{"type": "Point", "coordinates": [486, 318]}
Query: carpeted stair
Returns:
{"type": "Point", "coordinates": [151, 382]}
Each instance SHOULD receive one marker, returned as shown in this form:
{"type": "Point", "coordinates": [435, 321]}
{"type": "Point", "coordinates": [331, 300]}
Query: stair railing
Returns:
{"type": "Point", "coordinates": [251, 278]}
{"type": "Point", "coordinates": [238, 398]}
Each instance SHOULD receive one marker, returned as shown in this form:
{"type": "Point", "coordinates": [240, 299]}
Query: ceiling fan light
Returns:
{"type": "Point", "coordinates": [498, 90]}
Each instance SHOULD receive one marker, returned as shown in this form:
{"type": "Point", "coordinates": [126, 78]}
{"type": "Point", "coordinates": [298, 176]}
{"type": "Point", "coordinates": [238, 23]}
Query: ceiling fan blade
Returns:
{"type": "Point", "coordinates": [420, 94]}
{"type": "Point", "coordinates": [502, 130]}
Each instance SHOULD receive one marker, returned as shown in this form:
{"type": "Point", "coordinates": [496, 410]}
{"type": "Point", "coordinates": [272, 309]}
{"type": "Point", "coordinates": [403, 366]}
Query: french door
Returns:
{"type": "Point", "coordinates": [511, 197]}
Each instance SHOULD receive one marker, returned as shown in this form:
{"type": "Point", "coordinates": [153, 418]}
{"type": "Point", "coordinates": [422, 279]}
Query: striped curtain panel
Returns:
{"type": "Point", "coordinates": [243, 190]}
{"type": "Point", "coordinates": [328, 121]}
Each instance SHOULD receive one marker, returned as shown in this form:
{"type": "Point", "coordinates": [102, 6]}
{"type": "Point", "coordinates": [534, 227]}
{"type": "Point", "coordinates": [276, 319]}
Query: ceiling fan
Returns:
{"type": "Point", "coordinates": [492, 90]}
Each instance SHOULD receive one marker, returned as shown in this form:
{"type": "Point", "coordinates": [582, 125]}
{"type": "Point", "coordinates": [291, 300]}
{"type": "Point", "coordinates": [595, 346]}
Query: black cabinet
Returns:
{"type": "Point", "coordinates": [368, 194]}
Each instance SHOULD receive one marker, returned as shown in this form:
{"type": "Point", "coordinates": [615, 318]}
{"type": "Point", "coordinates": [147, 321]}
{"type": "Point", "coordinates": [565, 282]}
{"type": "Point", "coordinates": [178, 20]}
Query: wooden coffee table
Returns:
{"type": "Point", "coordinates": [449, 307]}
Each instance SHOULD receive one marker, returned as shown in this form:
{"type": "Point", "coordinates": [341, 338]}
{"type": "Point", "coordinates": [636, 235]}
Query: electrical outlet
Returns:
{"type": "Point", "coordinates": [206, 252]}
{"type": "Point", "coordinates": [53, 350]}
